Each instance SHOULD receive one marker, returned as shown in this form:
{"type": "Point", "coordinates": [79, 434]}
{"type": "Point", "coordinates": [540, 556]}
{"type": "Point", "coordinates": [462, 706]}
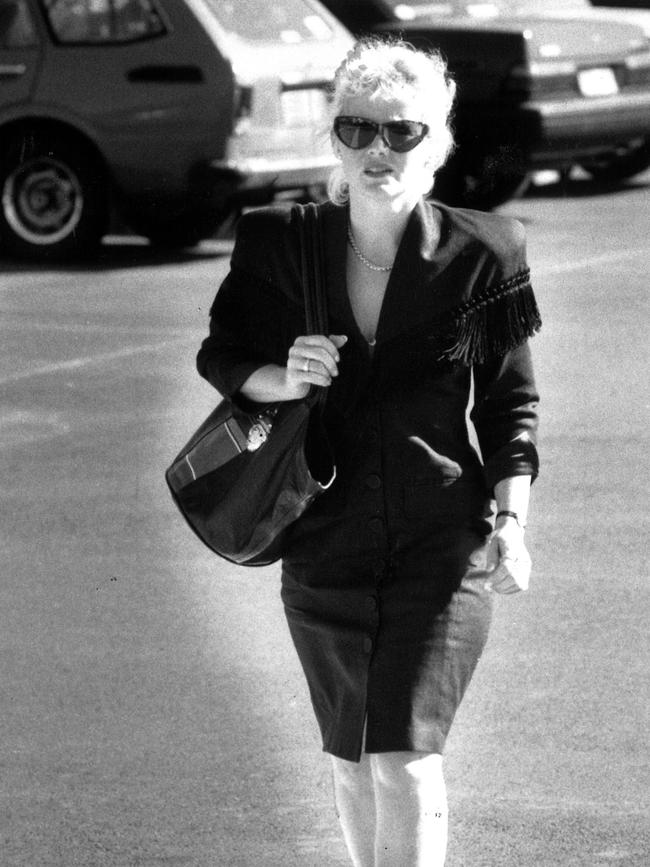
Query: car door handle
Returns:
{"type": "Point", "coordinates": [165, 75]}
{"type": "Point", "coordinates": [12, 70]}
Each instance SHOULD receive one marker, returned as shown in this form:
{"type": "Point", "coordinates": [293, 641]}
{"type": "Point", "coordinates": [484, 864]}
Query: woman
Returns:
{"type": "Point", "coordinates": [384, 577]}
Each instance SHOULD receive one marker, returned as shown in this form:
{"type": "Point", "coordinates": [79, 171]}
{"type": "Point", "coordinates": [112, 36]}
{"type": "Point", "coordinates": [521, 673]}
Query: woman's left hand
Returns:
{"type": "Point", "coordinates": [508, 560]}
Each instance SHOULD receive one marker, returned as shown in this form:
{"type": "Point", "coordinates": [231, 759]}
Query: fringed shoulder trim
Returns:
{"type": "Point", "coordinates": [494, 321]}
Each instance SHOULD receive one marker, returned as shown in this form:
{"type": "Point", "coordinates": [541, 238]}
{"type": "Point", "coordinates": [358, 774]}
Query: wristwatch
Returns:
{"type": "Point", "coordinates": [505, 513]}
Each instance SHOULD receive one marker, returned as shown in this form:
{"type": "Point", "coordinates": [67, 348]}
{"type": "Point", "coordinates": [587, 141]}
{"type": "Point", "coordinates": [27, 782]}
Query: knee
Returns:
{"type": "Point", "coordinates": [352, 776]}
{"type": "Point", "coordinates": [404, 773]}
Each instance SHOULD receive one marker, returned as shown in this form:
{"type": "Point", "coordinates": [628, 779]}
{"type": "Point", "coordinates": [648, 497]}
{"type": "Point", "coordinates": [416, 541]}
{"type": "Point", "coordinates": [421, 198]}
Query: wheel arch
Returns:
{"type": "Point", "coordinates": [41, 125]}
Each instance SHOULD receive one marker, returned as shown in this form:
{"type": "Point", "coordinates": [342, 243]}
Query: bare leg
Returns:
{"type": "Point", "coordinates": [355, 804]}
{"type": "Point", "coordinates": [411, 804]}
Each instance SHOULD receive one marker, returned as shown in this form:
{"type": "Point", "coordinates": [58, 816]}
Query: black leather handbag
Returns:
{"type": "Point", "coordinates": [244, 478]}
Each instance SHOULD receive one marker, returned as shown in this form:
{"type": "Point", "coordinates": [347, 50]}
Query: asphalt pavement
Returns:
{"type": "Point", "coordinates": [153, 712]}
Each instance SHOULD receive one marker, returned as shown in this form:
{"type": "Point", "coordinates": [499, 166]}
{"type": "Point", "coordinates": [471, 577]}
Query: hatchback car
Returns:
{"type": "Point", "coordinates": [534, 92]}
{"type": "Point", "coordinates": [168, 112]}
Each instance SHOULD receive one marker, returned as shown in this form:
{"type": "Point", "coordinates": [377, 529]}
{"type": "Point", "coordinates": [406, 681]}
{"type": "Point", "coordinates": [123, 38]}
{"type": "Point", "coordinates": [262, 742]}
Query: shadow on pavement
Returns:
{"type": "Point", "coordinates": [117, 253]}
{"type": "Point", "coordinates": [122, 252]}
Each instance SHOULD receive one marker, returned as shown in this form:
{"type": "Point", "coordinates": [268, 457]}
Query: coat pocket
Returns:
{"type": "Point", "coordinates": [431, 467]}
{"type": "Point", "coordinates": [439, 490]}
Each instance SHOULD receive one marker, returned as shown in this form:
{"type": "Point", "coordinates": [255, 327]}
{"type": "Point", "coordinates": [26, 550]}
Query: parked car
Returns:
{"type": "Point", "coordinates": [168, 112]}
{"type": "Point", "coordinates": [534, 92]}
{"type": "Point", "coordinates": [628, 4]}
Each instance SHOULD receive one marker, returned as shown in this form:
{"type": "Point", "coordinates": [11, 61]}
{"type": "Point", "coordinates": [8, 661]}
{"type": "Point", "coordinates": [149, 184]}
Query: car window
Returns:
{"type": "Point", "coordinates": [407, 11]}
{"type": "Point", "coordinates": [103, 21]}
{"type": "Point", "coordinates": [417, 9]}
{"type": "Point", "coordinates": [16, 25]}
{"type": "Point", "coordinates": [287, 21]}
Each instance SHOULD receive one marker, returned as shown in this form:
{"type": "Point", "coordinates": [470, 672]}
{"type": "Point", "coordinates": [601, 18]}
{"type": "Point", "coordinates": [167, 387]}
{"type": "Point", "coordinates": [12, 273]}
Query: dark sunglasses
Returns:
{"type": "Point", "coordinates": [399, 135]}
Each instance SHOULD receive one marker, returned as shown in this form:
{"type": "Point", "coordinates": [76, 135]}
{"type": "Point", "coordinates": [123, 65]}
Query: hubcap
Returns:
{"type": "Point", "coordinates": [42, 201]}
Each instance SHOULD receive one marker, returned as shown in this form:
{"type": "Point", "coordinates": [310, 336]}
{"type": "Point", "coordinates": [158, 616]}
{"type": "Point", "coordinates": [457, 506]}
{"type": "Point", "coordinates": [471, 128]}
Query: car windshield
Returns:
{"type": "Point", "coordinates": [288, 21]}
{"type": "Point", "coordinates": [417, 9]}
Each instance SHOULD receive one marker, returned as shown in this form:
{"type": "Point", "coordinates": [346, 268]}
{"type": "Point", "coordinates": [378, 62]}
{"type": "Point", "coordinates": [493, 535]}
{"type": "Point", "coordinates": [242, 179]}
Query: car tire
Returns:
{"type": "Point", "coordinates": [53, 198]}
{"type": "Point", "coordinates": [624, 164]}
{"type": "Point", "coordinates": [481, 183]}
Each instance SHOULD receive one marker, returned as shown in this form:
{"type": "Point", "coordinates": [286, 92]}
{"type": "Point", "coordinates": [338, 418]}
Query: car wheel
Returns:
{"type": "Point", "coordinates": [483, 184]}
{"type": "Point", "coordinates": [53, 198]}
{"type": "Point", "coordinates": [624, 163]}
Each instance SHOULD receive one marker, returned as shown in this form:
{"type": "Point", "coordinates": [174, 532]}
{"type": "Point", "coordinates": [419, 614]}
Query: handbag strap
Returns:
{"type": "Point", "coordinates": [313, 277]}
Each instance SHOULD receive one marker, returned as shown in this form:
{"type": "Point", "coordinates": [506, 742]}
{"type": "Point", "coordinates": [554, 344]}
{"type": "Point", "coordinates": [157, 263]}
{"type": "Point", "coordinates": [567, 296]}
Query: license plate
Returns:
{"type": "Point", "coordinates": [597, 82]}
{"type": "Point", "coordinates": [304, 107]}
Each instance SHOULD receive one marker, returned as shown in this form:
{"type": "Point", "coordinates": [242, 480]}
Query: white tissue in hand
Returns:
{"type": "Point", "coordinates": [516, 570]}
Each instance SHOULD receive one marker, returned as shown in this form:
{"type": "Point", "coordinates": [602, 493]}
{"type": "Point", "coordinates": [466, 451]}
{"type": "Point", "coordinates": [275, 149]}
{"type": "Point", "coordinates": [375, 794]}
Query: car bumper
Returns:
{"type": "Point", "coordinates": [556, 133]}
{"type": "Point", "coordinates": [256, 176]}
{"type": "Point", "coordinates": [576, 128]}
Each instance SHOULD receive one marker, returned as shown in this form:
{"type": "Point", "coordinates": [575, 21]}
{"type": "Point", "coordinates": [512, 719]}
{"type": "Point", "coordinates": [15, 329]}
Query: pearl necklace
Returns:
{"type": "Point", "coordinates": [362, 258]}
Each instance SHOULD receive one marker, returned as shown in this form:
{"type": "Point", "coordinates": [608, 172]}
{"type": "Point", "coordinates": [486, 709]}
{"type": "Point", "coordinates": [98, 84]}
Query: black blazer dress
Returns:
{"type": "Point", "coordinates": [381, 576]}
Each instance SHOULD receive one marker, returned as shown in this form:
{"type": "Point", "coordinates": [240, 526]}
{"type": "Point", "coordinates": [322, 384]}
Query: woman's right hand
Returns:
{"type": "Point", "coordinates": [313, 360]}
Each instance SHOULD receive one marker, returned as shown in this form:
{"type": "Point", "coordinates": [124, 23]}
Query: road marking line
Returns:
{"type": "Point", "coordinates": [76, 363]}
{"type": "Point", "coordinates": [90, 328]}
{"type": "Point", "coordinates": [603, 259]}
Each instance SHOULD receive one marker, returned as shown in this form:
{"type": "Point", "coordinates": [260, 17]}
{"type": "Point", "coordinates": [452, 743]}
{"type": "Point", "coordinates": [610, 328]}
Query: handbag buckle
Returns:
{"type": "Point", "coordinates": [259, 432]}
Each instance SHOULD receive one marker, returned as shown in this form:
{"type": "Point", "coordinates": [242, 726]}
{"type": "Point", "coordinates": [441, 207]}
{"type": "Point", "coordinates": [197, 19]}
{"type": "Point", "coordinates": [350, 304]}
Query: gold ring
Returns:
{"type": "Point", "coordinates": [307, 363]}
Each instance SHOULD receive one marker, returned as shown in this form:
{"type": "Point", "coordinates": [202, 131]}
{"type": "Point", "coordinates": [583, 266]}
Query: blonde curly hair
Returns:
{"type": "Point", "coordinates": [388, 67]}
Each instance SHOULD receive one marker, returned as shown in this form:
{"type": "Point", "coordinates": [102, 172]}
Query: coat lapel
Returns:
{"type": "Point", "coordinates": [356, 369]}
{"type": "Point", "coordinates": [409, 301]}
{"type": "Point", "coordinates": [335, 221]}
{"type": "Point", "coordinates": [410, 297]}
